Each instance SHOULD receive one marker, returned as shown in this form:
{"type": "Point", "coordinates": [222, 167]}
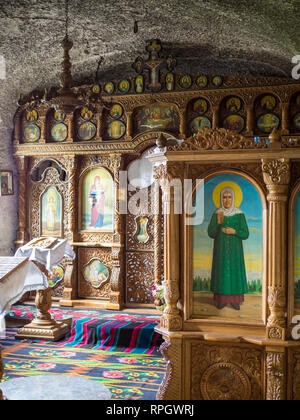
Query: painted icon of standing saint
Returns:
{"type": "Point", "coordinates": [97, 198]}
{"type": "Point", "coordinates": [228, 228]}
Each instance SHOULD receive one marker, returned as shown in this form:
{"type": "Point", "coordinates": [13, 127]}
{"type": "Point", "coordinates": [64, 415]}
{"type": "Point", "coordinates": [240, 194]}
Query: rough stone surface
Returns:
{"type": "Point", "coordinates": [211, 36]}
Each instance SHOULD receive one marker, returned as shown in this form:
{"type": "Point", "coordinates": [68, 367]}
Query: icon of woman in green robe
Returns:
{"type": "Point", "coordinates": [228, 228]}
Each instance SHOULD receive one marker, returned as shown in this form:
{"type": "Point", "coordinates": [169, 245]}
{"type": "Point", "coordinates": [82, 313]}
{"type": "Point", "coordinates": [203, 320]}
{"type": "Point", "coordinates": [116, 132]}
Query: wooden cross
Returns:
{"type": "Point", "coordinates": [154, 64]}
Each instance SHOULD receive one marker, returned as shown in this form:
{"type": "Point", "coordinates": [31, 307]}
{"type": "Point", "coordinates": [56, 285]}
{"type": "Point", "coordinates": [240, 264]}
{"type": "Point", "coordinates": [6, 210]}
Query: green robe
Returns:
{"type": "Point", "coordinates": [228, 268]}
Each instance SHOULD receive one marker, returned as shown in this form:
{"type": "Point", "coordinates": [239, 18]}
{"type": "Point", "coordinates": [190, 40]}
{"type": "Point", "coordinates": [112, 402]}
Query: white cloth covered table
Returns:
{"type": "Point", "coordinates": [25, 278]}
{"type": "Point", "coordinates": [47, 257]}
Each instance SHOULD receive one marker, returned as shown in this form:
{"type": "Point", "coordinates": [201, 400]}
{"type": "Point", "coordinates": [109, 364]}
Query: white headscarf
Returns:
{"type": "Point", "coordinates": [233, 210]}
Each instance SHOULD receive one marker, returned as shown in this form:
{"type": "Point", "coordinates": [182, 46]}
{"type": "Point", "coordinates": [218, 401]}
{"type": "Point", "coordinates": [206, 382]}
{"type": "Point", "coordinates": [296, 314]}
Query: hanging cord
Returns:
{"type": "Point", "coordinates": [67, 18]}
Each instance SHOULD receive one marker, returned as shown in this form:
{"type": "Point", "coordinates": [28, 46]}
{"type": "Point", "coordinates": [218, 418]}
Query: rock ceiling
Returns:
{"type": "Point", "coordinates": [257, 37]}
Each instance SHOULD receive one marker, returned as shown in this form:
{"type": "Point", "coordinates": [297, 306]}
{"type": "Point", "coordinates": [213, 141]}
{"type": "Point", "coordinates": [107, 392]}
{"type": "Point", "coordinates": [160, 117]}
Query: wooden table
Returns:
{"type": "Point", "coordinates": [44, 327]}
{"type": "Point", "coordinates": [17, 276]}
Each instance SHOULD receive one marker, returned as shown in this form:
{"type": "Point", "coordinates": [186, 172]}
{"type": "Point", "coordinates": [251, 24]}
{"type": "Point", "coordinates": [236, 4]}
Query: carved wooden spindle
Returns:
{"type": "Point", "coordinates": [99, 115]}
{"type": "Point", "coordinates": [250, 120]}
{"type": "Point", "coordinates": [42, 125]}
{"type": "Point", "coordinates": [182, 126]}
{"type": "Point", "coordinates": [69, 123]}
{"type": "Point", "coordinates": [215, 120]}
{"type": "Point", "coordinates": [129, 127]}
{"type": "Point", "coordinates": [285, 118]}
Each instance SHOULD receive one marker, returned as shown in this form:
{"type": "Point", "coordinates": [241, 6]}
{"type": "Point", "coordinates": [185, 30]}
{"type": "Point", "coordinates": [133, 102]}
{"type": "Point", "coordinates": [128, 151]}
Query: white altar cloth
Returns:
{"type": "Point", "coordinates": [47, 257]}
{"type": "Point", "coordinates": [24, 279]}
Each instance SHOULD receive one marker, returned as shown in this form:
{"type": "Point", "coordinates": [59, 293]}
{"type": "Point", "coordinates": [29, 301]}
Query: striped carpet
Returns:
{"type": "Point", "coordinates": [99, 330]}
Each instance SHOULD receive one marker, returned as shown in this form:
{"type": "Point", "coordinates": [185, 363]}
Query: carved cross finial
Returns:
{"type": "Point", "coordinates": [154, 64]}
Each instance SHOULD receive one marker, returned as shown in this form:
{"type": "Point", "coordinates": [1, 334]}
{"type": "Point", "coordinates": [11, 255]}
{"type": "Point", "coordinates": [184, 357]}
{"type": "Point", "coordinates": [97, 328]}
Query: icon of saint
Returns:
{"type": "Point", "coordinates": [51, 214]}
{"type": "Point", "coordinates": [97, 199]}
{"type": "Point", "coordinates": [228, 228]}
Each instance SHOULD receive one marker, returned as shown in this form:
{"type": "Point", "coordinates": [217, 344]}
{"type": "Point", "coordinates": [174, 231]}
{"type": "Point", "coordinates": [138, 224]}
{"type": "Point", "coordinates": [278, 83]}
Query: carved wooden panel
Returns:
{"type": "Point", "coordinates": [294, 374]}
{"type": "Point", "coordinates": [131, 225]}
{"type": "Point", "coordinates": [85, 255]}
{"type": "Point", "coordinates": [139, 277]}
{"type": "Point", "coordinates": [223, 372]}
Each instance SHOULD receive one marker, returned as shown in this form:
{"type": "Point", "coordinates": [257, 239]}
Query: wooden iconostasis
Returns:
{"type": "Point", "coordinates": [70, 165]}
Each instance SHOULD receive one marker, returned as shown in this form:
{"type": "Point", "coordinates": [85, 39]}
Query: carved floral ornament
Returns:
{"type": "Point", "coordinates": [276, 171]}
{"type": "Point", "coordinates": [217, 139]}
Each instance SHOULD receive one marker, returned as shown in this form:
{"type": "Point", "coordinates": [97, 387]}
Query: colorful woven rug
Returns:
{"type": "Point", "coordinates": [128, 376]}
{"type": "Point", "coordinates": [29, 312]}
{"type": "Point", "coordinates": [103, 330]}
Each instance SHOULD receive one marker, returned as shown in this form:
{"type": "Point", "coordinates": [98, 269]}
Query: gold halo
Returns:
{"type": "Point", "coordinates": [238, 194]}
{"type": "Point", "coordinates": [51, 194]}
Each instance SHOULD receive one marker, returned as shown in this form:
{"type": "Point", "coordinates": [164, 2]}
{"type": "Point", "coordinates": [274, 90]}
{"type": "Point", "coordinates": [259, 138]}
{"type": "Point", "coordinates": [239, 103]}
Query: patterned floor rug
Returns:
{"type": "Point", "coordinates": [101, 330]}
{"type": "Point", "coordinates": [128, 376]}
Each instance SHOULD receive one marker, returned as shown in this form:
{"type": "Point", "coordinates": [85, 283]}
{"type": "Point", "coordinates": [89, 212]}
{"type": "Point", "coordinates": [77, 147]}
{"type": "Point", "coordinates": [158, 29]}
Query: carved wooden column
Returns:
{"type": "Point", "coordinates": [277, 178]}
{"type": "Point", "coordinates": [22, 232]}
{"type": "Point", "coordinates": [69, 123]}
{"type": "Point", "coordinates": [157, 234]}
{"type": "Point", "coordinates": [99, 114]}
{"type": "Point", "coordinates": [128, 125]}
{"type": "Point", "coordinates": [116, 297]}
{"type": "Point", "coordinates": [276, 174]}
{"type": "Point", "coordinates": [171, 319]}
{"type": "Point", "coordinates": [182, 114]}
{"type": "Point", "coordinates": [70, 292]}
{"type": "Point", "coordinates": [72, 198]}
{"type": "Point", "coordinates": [42, 124]}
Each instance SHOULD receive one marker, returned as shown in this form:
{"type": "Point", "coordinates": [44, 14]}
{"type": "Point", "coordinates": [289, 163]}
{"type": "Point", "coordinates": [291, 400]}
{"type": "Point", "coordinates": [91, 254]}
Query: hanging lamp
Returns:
{"type": "Point", "coordinates": [66, 101]}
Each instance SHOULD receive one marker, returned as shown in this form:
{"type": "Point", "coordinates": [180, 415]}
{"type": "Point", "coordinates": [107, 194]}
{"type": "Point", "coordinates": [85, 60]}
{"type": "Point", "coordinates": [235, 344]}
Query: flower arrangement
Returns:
{"type": "Point", "coordinates": [158, 291]}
